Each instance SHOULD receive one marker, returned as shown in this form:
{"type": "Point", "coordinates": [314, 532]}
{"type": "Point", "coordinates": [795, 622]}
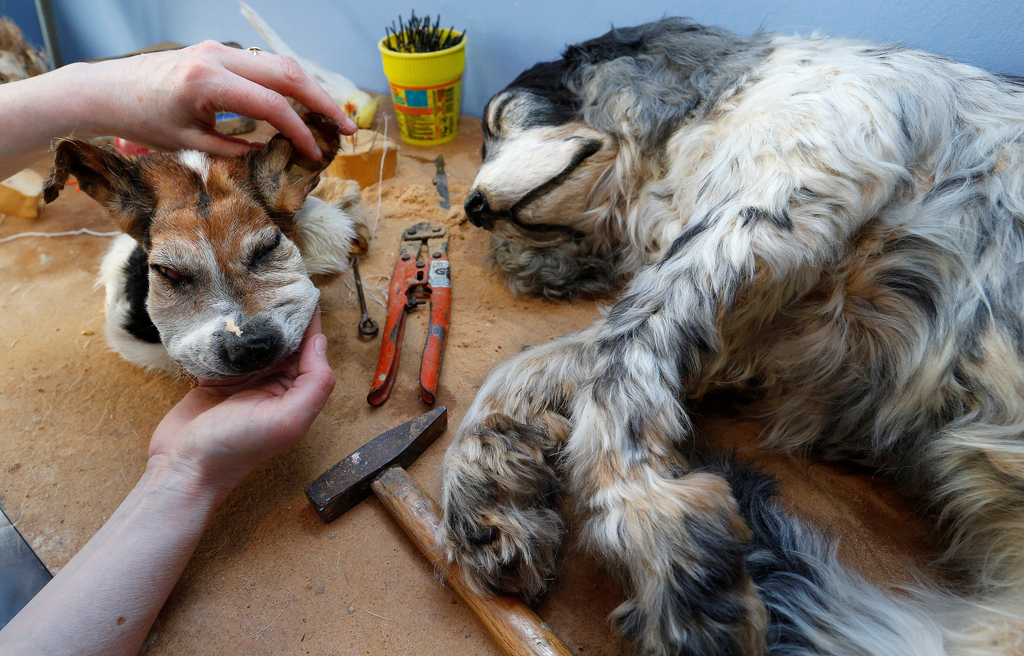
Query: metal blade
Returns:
{"type": "Point", "coordinates": [441, 180]}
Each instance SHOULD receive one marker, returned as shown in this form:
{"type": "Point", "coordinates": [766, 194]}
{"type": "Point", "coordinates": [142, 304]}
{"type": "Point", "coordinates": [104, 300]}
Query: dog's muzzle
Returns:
{"type": "Point", "coordinates": [479, 212]}
{"type": "Point", "coordinates": [257, 347]}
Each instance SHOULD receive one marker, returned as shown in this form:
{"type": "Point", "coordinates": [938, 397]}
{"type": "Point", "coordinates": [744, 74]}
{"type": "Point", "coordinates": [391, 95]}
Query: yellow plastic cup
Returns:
{"type": "Point", "coordinates": [426, 88]}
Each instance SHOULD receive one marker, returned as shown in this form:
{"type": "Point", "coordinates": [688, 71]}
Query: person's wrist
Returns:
{"type": "Point", "coordinates": [196, 481]}
{"type": "Point", "coordinates": [91, 106]}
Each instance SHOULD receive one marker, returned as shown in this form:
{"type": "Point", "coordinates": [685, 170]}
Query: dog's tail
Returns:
{"type": "Point", "coordinates": [818, 606]}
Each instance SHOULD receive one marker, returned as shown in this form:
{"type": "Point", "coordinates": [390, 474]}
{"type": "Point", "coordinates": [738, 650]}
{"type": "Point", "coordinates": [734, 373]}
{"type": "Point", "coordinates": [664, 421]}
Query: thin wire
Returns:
{"type": "Point", "coordinates": [380, 181]}
{"type": "Point", "coordinates": [70, 233]}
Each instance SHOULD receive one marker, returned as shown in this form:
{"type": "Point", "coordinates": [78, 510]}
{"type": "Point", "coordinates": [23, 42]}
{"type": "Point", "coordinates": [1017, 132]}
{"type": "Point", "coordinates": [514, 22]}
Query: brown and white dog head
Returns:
{"type": "Point", "coordinates": [226, 286]}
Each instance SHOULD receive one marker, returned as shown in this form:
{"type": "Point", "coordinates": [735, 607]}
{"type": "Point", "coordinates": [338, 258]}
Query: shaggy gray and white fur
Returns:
{"type": "Point", "coordinates": [837, 223]}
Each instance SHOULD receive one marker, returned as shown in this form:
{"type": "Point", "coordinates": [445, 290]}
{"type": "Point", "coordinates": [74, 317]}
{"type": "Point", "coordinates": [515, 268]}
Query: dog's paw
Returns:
{"type": "Point", "coordinates": [690, 591]}
{"type": "Point", "coordinates": [500, 522]}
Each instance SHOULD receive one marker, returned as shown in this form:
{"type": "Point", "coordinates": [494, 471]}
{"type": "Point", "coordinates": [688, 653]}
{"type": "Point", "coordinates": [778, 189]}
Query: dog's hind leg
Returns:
{"type": "Point", "coordinates": [500, 484]}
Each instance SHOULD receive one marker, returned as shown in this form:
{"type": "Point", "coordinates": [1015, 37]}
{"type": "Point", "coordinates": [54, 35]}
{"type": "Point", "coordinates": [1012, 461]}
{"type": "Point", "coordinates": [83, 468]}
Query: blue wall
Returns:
{"type": "Point", "coordinates": [506, 36]}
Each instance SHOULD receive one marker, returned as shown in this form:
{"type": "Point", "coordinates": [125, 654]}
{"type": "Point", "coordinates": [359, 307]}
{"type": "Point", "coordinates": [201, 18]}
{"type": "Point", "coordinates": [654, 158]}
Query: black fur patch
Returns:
{"type": "Point", "coordinates": [691, 232]}
{"type": "Point", "coordinates": [753, 215]}
{"type": "Point", "coordinates": [203, 204]}
{"type": "Point", "coordinates": [136, 288]}
{"type": "Point", "coordinates": [587, 148]}
{"type": "Point", "coordinates": [554, 104]}
{"type": "Point", "coordinates": [916, 285]}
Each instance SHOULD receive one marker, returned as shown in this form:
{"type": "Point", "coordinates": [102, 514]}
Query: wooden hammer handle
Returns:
{"type": "Point", "coordinates": [514, 626]}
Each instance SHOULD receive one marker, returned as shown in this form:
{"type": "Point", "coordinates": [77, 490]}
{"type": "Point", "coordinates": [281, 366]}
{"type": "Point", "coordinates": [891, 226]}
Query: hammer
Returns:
{"type": "Point", "coordinates": [379, 467]}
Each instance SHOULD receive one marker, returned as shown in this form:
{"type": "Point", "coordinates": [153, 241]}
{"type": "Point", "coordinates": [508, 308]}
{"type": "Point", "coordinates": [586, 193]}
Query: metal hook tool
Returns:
{"type": "Point", "coordinates": [367, 326]}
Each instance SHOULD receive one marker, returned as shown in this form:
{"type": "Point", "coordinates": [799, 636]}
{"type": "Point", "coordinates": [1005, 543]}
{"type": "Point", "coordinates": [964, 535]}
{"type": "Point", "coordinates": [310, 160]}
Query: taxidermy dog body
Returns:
{"type": "Point", "coordinates": [837, 223]}
{"type": "Point", "coordinates": [213, 273]}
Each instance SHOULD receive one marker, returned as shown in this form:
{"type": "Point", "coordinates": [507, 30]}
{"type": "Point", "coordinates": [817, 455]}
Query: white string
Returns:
{"type": "Point", "coordinates": [70, 233]}
{"type": "Point", "coordinates": [380, 180]}
{"type": "Point", "coordinates": [377, 292]}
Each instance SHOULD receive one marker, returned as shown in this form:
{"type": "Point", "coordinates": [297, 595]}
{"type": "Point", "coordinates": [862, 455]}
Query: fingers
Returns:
{"type": "Point", "coordinates": [213, 142]}
{"type": "Point", "coordinates": [264, 80]}
{"type": "Point", "coordinates": [264, 104]}
{"type": "Point", "coordinates": [313, 358]}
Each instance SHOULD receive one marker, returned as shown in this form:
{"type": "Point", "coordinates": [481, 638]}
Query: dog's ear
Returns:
{"type": "Point", "coordinates": [113, 180]}
{"type": "Point", "coordinates": [283, 176]}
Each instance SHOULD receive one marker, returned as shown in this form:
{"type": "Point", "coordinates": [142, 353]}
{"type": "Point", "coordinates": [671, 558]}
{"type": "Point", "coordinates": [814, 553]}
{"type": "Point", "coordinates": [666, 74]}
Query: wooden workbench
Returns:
{"type": "Point", "coordinates": [269, 577]}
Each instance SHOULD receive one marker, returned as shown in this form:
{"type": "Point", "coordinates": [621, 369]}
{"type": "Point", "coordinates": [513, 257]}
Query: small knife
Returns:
{"type": "Point", "coordinates": [441, 181]}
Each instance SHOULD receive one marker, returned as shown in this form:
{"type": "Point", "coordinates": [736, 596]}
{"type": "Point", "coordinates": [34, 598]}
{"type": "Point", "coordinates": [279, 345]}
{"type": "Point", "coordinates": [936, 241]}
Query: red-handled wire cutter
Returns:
{"type": "Point", "coordinates": [422, 272]}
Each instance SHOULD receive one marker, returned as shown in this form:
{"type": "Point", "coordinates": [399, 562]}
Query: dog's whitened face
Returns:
{"type": "Point", "coordinates": [227, 287]}
{"type": "Point", "coordinates": [228, 291]}
{"type": "Point", "coordinates": [538, 171]}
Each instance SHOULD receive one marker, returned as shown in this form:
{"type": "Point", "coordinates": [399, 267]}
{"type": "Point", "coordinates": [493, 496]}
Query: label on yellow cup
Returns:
{"type": "Point", "coordinates": [427, 115]}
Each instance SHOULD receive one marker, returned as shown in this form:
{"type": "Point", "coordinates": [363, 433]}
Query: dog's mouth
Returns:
{"type": "Point", "coordinates": [481, 214]}
{"type": "Point", "coordinates": [535, 235]}
{"type": "Point", "coordinates": [228, 371]}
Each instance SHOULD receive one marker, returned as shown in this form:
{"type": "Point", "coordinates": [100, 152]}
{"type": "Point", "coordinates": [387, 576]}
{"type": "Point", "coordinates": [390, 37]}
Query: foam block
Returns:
{"type": "Point", "coordinates": [20, 194]}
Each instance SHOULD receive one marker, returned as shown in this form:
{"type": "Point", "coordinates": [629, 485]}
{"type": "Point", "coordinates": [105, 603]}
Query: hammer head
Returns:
{"type": "Point", "coordinates": [347, 483]}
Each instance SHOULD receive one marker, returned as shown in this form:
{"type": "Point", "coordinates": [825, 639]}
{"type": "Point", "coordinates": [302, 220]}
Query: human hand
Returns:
{"type": "Point", "coordinates": [223, 429]}
{"type": "Point", "coordinates": [169, 100]}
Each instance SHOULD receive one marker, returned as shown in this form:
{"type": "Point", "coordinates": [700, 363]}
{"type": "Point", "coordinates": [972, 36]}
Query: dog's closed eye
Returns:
{"type": "Point", "coordinates": [262, 253]}
{"type": "Point", "coordinates": [173, 275]}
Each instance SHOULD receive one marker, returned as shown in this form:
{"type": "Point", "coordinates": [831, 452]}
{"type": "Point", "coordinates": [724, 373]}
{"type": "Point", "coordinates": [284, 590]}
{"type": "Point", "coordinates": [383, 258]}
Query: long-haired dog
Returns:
{"type": "Point", "coordinates": [215, 272]}
{"type": "Point", "coordinates": [837, 224]}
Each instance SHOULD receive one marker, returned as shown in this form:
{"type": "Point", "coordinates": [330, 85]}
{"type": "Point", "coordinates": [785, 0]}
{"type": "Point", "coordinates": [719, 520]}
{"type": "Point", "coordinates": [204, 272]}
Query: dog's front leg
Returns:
{"type": "Point", "coordinates": [500, 485]}
{"type": "Point", "coordinates": [675, 534]}
{"type": "Point", "coordinates": [763, 215]}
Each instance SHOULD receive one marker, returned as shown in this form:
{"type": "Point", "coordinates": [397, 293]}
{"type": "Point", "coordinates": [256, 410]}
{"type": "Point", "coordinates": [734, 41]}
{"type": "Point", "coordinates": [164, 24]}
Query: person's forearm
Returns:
{"type": "Point", "coordinates": [105, 600]}
{"type": "Point", "coordinates": [35, 111]}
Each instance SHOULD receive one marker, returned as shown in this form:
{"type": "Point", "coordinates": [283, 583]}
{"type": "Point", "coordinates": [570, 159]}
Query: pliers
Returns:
{"type": "Point", "coordinates": [422, 272]}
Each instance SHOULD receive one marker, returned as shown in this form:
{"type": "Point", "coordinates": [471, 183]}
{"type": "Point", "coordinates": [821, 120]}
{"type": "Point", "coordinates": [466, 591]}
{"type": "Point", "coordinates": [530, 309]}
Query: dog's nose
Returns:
{"type": "Point", "coordinates": [253, 346]}
{"type": "Point", "coordinates": [478, 209]}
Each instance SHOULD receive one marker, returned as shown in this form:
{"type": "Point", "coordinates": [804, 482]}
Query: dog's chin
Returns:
{"type": "Point", "coordinates": [223, 371]}
{"type": "Point", "coordinates": [545, 235]}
